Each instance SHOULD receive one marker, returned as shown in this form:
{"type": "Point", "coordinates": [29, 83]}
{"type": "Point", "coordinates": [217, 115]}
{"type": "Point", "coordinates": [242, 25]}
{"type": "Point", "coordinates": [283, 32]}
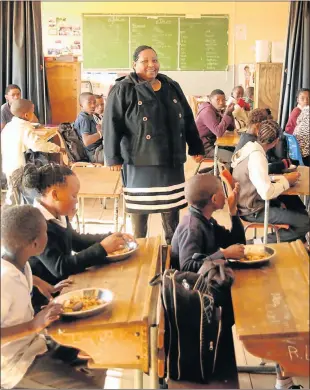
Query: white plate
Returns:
{"type": "Point", "coordinates": [106, 296]}
{"type": "Point", "coordinates": [257, 249]}
{"type": "Point", "coordinates": [133, 248]}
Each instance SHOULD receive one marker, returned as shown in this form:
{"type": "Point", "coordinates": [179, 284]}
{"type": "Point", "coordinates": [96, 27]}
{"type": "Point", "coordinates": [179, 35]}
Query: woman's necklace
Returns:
{"type": "Point", "coordinates": [156, 85]}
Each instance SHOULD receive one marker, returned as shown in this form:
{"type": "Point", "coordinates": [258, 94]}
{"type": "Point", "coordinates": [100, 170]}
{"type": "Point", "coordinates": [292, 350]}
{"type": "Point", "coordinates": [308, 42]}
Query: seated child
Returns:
{"type": "Point", "coordinates": [87, 129]}
{"type": "Point", "coordinates": [12, 92]}
{"type": "Point", "coordinates": [302, 101]}
{"type": "Point", "coordinates": [302, 134]}
{"type": "Point", "coordinates": [241, 108]}
{"type": "Point", "coordinates": [26, 361]}
{"type": "Point", "coordinates": [212, 120]}
{"type": "Point", "coordinates": [277, 157]}
{"type": "Point", "coordinates": [58, 187]}
{"type": "Point", "coordinates": [98, 114]}
{"type": "Point", "coordinates": [249, 96]}
{"type": "Point", "coordinates": [250, 169]}
{"type": "Point", "coordinates": [19, 135]}
{"type": "Point", "coordinates": [198, 232]}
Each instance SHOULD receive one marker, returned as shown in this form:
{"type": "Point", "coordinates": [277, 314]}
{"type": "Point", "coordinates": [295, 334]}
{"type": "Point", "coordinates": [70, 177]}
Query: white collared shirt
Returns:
{"type": "Point", "coordinates": [48, 216]}
{"type": "Point", "coordinates": [16, 308]}
{"type": "Point", "coordinates": [16, 138]}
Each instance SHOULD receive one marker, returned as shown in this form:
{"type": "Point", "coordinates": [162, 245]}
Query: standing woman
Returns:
{"type": "Point", "coordinates": [147, 124]}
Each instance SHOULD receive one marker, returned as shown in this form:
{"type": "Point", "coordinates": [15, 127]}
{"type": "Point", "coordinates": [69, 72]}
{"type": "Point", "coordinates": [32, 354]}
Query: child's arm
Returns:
{"type": "Point", "coordinates": [36, 144]}
{"type": "Point", "coordinates": [84, 241]}
{"type": "Point", "coordinates": [43, 319]}
{"type": "Point", "coordinates": [62, 265]}
{"type": "Point", "coordinates": [84, 129]}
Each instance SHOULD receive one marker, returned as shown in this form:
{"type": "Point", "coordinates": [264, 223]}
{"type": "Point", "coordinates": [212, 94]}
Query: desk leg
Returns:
{"type": "Point", "coordinates": [215, 159]}
{"type": "Point", "coordinates": [83, 214]}
{"type": "Point", "coordinates": [154, 382]}
{"type": "Point", "coordinates": [124, 214]}
{"type": "Point", "coordinates": [116, 201]}
{"type": "Point", "coordinates": [266, 218]}
{"type": "Point", "coordinates": [138, 379]}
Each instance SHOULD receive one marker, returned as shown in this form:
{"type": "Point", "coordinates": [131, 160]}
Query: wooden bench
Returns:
{"type": "Point", "coordinates": [225, 375]}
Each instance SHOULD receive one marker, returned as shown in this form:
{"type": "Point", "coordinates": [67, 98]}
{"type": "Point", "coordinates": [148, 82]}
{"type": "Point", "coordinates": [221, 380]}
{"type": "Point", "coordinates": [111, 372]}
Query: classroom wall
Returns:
{"type": "Point", "coordinates": [258, 21]}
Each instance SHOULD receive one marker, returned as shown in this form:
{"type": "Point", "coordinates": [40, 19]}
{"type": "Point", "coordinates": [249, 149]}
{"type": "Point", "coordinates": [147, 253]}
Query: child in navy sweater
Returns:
{"type": "Point", "coordinates": [199, 232]}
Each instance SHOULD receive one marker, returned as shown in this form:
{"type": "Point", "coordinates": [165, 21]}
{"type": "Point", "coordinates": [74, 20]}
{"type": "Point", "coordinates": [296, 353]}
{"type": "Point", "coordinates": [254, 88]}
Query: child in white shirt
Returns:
{"type": "Point", "coordinates": [25, 359]}
{"type": "Point", "coordinates": [19, 135]}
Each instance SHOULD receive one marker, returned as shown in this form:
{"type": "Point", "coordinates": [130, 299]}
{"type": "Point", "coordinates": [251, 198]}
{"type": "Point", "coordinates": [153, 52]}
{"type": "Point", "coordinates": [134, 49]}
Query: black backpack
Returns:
{"type": "Point", "coordinates": [192, 326]}
{"type": "Point", "coordinates": [73, 145]}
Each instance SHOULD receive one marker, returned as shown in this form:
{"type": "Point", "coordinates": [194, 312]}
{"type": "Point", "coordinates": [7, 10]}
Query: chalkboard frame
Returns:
{"type": "Point", "coordinates": [154, 16]}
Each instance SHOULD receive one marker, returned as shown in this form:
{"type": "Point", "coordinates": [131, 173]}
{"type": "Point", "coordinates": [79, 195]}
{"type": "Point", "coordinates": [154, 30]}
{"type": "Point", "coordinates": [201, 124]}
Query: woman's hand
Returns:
{"type": "Point", "coordinates": [47, 289]}
{"type": "Point", "coordinates": [115, 167]}
{"type": "Point", "coordinates": [198, 158]}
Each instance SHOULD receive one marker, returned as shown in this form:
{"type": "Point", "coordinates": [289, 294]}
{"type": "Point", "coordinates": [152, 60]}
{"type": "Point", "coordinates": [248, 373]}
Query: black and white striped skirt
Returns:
{"type": "Point", "coordinates": [153, 189]}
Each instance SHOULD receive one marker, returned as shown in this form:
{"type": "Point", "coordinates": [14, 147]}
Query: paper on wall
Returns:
{"type": "Point", "coordinates": [262, 51]}
{"type": "Point", "coordinates": [278, 51]}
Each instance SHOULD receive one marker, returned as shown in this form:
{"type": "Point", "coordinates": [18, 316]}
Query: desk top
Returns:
{"type": "Point", "coordinates": [273, 301]}
{"type": "Point", "coordinates": [230, 138]}
{"type": "Point", "coordinates": [98, 181]}
{"type": "Point", "coordinates": [302, 186]}
{"type": "Point", "coordinates": [46, 133]}
{"type": "Point", "coordinates": [129, 282]}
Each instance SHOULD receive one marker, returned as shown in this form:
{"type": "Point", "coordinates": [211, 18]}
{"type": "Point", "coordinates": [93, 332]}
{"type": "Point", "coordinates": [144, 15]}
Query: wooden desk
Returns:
{"type": "Point", "coordinates": [302, 186]}
{"type": "Point", "coordinates": [120, 338]}
{"type": "Point", "coordinates": [99, 182]}
{"type": "Point", "coordinates": [271, 308]}
{"type": "Point", "coordinates": [46, 133]}
{"type": "Point", "coordinates": [229, 139]}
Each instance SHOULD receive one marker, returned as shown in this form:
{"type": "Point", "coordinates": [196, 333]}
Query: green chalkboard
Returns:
{"type": "Point", "coordinates": [181, 43]}
{"type": "Point", "coordinates": [204, 44]}
{"type": "Point", "coordinates": [160, 33]}
{"type": "Point", "coordinates": [105, 42]}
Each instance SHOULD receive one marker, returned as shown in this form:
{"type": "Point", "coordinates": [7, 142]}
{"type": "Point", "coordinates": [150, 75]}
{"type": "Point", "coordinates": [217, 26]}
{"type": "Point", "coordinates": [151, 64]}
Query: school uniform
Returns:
{"type": "Point", "coordinates": [57, 261]}
{"type": "Point", "coordinates": [6, 115]}
{"type": "Point", "coordinates": [250, 169]}
{"type": "Point", "coordinates": [16, 138]}
{"type": "Point", "coordinates": [86, 124]}
{"type": "Point", "coordinates": [211, 124]}
{"type": "Point", "coordinates": [26, 362]}
{"type": "Point", "coordinates": [292, 120]}
{"type": "Point", "coordinates": [197, 234]}
{"type": "Point", "coordinates": [301, 132]}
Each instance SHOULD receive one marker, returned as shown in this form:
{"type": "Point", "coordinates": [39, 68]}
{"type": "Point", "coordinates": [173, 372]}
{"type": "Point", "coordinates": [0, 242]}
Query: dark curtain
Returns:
{"type": "Point", "coordinates": [297, 64]}
{"type": "Point", "coordinates": [22, 59]}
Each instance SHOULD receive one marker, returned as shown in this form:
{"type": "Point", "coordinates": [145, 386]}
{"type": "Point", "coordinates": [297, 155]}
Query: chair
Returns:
{"type": "Point", "coordinates": [98, 181]}
{"type": "Point", "coordinates": [293, 148]}
{"type": "Point", "coordinates": [228, 185]}
{"type": "Point", "coordinates": [202, 163]}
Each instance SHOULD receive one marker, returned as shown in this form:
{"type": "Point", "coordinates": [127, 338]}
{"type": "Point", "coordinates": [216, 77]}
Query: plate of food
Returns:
{"type": "Point", "coordinates": [85, 302]}
{"type": "Point", "coordinates": [36, 125]}
{"type": "Point", "coordinates": [122, 254]}
{"type": "Point", "coordinates": [255, 255]}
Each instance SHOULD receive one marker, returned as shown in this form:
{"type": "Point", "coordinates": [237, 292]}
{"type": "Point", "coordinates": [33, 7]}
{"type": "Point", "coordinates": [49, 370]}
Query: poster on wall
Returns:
{"type": "Point", "coordinates": [246, 75]}
{"type": "Point", "coordinates": [63, 36]}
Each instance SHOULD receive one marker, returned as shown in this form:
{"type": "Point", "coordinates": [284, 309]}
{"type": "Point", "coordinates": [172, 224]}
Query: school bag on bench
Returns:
{"type": "Point", "coordinates": [73, 145]}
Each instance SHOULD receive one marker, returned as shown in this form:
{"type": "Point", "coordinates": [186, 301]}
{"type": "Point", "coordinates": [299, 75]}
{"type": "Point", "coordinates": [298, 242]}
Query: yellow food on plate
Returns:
{"type": "Point", "coordinates": [75, 304]}
{"type": "Point", "coordinates": [119, 252]}
{"type": "Point", "coordinates": [254, 256]}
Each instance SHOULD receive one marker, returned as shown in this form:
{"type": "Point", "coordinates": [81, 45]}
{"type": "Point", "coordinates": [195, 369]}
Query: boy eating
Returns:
{"type": "Point", "coordinates": [198, 232]}
{"type": "Point", "coordinates": [88, 131]}
{"type": "Point", "coordinates": [25, 359]}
